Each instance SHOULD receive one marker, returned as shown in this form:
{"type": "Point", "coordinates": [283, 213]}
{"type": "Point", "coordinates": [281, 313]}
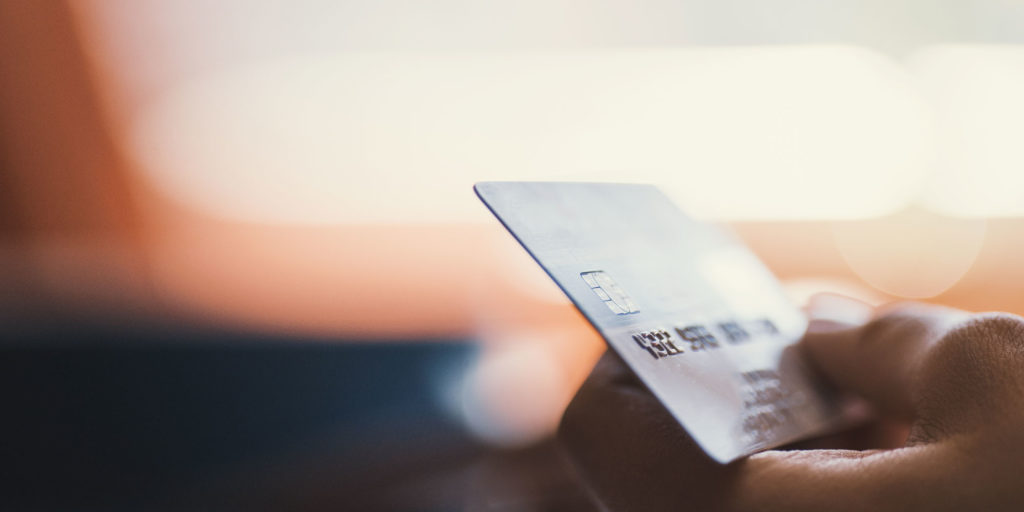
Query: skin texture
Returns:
{"type": "Point", "coordinates": [946, 388]}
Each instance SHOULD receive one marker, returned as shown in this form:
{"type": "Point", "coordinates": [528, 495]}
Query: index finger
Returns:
{"type": "Point", "coordinates": [880, 360]}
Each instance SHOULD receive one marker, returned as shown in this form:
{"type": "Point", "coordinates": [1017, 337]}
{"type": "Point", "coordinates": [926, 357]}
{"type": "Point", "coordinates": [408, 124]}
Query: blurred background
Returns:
{"type": "Point", "coordinates": [241, 263]}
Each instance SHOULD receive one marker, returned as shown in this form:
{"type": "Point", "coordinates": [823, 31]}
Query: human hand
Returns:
{"type": "Point", "coordinates": [953, 381]}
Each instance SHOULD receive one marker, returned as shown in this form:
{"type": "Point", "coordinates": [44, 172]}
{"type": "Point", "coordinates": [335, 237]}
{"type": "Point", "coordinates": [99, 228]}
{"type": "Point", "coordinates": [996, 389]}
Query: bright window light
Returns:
{"type": "Point", "coordinates": [733, 133]}
{"type": "Point", "coordinates": [978, 94]}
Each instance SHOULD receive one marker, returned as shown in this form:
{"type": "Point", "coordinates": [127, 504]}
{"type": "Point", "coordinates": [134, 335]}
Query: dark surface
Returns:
{"type": "Point", "coordinates": [107, 417]}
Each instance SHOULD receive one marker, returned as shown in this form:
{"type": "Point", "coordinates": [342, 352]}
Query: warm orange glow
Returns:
{"type": "Point", "coordinates": [374, 281]}
{"type": "Point", "coordinates": [914, 254]}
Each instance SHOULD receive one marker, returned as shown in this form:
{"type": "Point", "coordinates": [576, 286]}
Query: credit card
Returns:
{"type": "Point", "coordinates": [701, 321]}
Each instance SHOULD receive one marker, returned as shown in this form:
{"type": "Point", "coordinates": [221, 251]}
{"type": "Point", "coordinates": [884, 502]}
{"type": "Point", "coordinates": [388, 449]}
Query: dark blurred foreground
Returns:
{"type": "Point", "coordinates": [115, 417]}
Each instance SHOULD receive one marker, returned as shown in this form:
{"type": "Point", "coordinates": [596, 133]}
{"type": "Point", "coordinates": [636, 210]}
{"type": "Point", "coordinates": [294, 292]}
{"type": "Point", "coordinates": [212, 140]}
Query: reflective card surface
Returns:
{"type": "Point", "coordinates": [694, 313]}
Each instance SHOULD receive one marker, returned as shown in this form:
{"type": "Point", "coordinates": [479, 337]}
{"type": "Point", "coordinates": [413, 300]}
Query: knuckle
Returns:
{"type": "Point", "coordinates": [1001, 327]}
{"type": "Point", "coordinates": [989, 339]}
{"type": "Point", "coordinates": [971, 371]}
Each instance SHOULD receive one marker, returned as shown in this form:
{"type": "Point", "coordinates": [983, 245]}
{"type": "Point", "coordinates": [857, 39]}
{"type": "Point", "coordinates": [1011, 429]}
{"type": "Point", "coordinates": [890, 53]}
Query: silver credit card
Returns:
{"type": "Point", "coordinates": [693, 312]}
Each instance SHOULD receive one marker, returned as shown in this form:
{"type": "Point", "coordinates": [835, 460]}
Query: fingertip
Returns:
{"type": "Point", "coordinates": [838, 309]}
{"type": "Point", "coordinates": [827, 342]}
{"type": "Point", "coordinates": [833, 323]}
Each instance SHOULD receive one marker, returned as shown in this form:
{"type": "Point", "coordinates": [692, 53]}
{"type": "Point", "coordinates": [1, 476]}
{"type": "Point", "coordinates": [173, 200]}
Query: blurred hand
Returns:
{"type": "Point", "coordinates": [953, 381]}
